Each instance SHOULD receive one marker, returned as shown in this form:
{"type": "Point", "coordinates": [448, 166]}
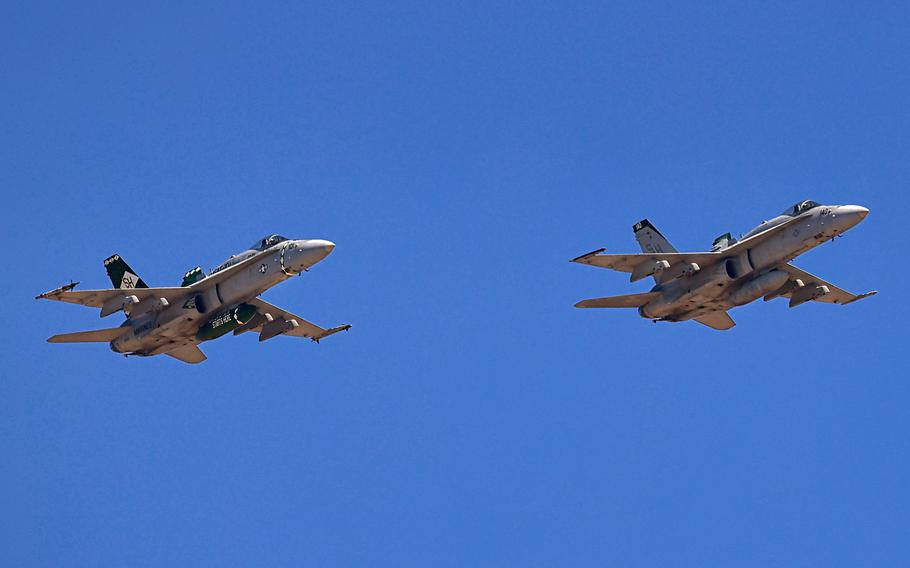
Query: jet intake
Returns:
{"type": "Point", "coordinates": [717, 275]}
{"type": "Point", "coordinates": [208, 300]}
{"type": "Point", "coordinates": [758, 287]}
{"type": "Point", "coordinates": [738, 266]}
{"type": "Point", "coordinates": [226, 321]}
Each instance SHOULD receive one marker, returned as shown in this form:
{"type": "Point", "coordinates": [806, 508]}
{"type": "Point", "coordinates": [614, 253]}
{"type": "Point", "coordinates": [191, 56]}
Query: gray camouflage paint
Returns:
{"type": "Point", "coordinates": [156, 332]}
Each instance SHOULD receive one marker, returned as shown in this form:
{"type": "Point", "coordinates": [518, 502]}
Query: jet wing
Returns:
{"type": "Point", "coordinates": [97, 298]}
{"type": "Point", "coordinates": [835, 295]}
{"type": "Point", "coordinates": [280, 324]}
{"type": "Point", "coordinates": [629, 262]}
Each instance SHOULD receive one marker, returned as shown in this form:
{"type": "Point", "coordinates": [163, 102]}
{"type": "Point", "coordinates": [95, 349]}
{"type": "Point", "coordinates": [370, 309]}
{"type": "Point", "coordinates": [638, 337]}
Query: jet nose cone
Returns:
{"type": "Point", "coordinates": [856, 211]}
{"type": "Point", "coordinates": [321, 245]}
{"type": "Point", "coordinates": [849, 215]}
{"type": "Point", "coordinates": [312, 251]}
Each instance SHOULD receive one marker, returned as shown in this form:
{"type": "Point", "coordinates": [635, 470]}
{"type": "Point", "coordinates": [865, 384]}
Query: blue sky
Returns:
{"type": "Point", "coordinates": [459, 154]}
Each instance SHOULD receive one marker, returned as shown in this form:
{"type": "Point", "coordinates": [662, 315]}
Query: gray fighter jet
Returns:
{"type": "Point", "coordinates": [174, 321]}
{"type": "Point", "coordinates": [702, 286]}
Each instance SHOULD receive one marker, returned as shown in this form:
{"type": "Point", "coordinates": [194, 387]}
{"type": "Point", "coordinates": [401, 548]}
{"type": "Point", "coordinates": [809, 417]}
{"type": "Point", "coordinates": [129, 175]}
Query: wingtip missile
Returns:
{"type": "Point", "coordinates": [583, 257]}
{"type": "Point", "coordinates": [55, 291]}
{"type": "Point", "coordinates": [331, 331]}
{"type": "Point", "coordinates": [861, 296]}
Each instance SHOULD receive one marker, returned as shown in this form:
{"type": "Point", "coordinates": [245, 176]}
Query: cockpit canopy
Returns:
{"type": "Point", "coordinates": [801, 207]}
{"type": "Point", "coordinates": [268, 241]}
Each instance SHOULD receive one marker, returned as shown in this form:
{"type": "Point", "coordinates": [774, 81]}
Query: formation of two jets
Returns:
{"type": "Point", "coordinates": [698, 286]}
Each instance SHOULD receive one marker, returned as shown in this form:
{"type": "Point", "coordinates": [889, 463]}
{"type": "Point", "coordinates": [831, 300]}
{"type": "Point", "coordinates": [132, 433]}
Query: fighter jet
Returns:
{"type": "Point", "coordinates": [174, 321]}
{"type": "Point", "coordinates": [702, 286]}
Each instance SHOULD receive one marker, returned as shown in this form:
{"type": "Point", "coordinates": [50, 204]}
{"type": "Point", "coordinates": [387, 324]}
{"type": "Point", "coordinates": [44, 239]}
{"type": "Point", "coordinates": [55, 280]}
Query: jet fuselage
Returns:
{"type": "Point", "coordinates": [213, 306]}
{"type": "Point", "coordinates": [749, 274]}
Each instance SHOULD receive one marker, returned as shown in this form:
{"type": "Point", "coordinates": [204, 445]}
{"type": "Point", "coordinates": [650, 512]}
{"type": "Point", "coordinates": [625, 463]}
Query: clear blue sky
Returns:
{"type": "Point", "coordinates": [459, 154]}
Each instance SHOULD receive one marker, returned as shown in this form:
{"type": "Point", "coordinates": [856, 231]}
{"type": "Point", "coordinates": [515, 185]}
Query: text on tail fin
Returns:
{"type": "Point", "coordinates": [649, 238]}
{"type": "Point", "coordinates": [121, 275]}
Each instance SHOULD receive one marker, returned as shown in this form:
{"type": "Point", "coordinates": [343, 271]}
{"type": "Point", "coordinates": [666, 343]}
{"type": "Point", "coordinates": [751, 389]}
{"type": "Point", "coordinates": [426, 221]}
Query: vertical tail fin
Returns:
{"type": "Point", "coordinates": [722, 242]}
{"type": "Point", "coordinates": [193, 276]}
{"type": "Point", "coordinates": [120, 273]}
{"type": "Point", "coordinates": [650, 239]}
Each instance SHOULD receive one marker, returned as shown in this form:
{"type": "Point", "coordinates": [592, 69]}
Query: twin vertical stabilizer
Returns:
{"type": "Point", "coordinates": [650, 239]}
{"type": "Point", "coordinates": [121, 275]}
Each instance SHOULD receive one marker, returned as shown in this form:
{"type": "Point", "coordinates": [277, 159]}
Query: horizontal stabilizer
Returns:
{"type": "Point", "coordinates": [93, 336]}
{"type": "Point", "coordinates": [188, 354]}
{"type": "Point", "coordinates": [628, 301]}
{"type": "Point", "coordinates": [717, 320]}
